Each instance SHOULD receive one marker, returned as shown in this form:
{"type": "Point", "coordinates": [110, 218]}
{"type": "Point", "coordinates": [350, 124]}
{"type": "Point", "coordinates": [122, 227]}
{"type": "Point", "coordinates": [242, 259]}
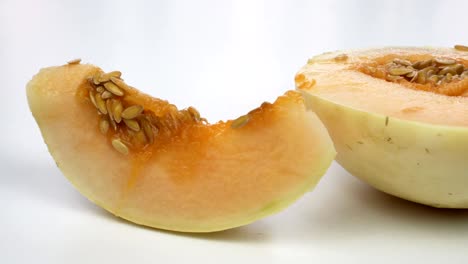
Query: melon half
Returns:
{"type": "Point", "coordinates": [146, 161]}
{"type": "Point", "coordinates": [398, 118]}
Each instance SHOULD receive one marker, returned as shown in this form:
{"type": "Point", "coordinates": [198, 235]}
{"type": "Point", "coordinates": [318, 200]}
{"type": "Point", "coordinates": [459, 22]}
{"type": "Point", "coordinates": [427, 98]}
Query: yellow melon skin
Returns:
{"type": "Point", "coordinates": [227, 179]}
{"type": "Point", "coordinates": [415, 160]}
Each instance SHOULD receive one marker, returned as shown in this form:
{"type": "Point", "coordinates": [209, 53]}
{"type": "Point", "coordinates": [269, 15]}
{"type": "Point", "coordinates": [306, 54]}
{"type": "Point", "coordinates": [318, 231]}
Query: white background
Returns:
{"type": "Point", "coordinates": [224, 58]}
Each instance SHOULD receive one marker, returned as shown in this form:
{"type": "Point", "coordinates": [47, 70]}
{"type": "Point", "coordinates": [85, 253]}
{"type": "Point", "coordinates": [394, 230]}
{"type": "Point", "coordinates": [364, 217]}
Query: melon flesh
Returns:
{"type": "Point", "coordinates": [408, 143]}
{"type": "Point", "coordinates": [205, 178]}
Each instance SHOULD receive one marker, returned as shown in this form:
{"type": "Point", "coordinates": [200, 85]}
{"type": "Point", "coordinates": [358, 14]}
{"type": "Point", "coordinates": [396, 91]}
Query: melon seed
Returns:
{"type": "Point", "coordinates": [400, 71]}
{"type": "Point", "coordinates": [120, 146]}
{"type": "Point", "coordinates": [100, 89]}
{"type": "Point", "coordinates": [101, 105]}
{"type": "Point", "coordinates": [132, 111]}
{"type": "Point", "coordinates": [458, 68]}
{"type": "Point", "coordinates": [109, 109]}
{"type": "Point", "coordinates": [119, 83]}
{"type": "Point", "coordinates": [117, 111]}
{"type": "Point", "coordinates": [194, 113]}
{"type": "Point", "coordinates": [147, 130]}
{"type": "Point", "coordinates": [429, 73]}
{"type": "Point", "coordinates": [74, 61]}
{"type": "Point", "coordinates": [412, 74]}
{"type": "Point", "coordinates": [240, 121]}
{"type": "Point", "coordinates": [421, 77]}
{"type": "Point", "coordinates": [393, 78]}
{"type": "Point", "coordinates": [341, 57]}
{"type": "Point", "coordinates": [111, 87]}
{"type": "Point", "coordinates": [96, 78]}
{"type": "Point", "coordinates": [92, 98]}
{"type": "Point", "coordinates": [461, 47]}
{"type": "Point", "coordinates": [447, 70]}
{"type": "Point", "coordinates": [106, 95]}
{"type": "Point", "coordinates": [445, 61]}
{"type": "Point", "coordinates": [103, 126]}
{"type": "Point", "coordinates": [402, 62]}
{"type": "Point", "coordinates": [448, 77]}
{"type": "Point", "coordinates": [433, 79]}
{"type": "Point", "coordinates": [422, 64]}
{"type": "Point", "coordinates": [132, 124]}
{"type": "Point", "coordinates": [106, 76]}
{"type": "Point", "coordinates": [114, 125]}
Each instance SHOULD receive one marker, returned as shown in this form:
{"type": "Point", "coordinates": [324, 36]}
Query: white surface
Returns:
{"type": "Point", "coordinates": [225, 58]}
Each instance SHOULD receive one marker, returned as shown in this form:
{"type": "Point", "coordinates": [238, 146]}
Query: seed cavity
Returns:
{"type": "Point", "coordinates": [433, 73]}
{"type": "Point", "coordinates": [240, 121]}
{"type": "Point", "coordinates": [130, 123]}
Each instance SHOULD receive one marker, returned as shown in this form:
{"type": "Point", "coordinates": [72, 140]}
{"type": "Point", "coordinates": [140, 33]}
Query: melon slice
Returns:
{"type": "Point", "coordinates": [144, 160]}
{"type": "Point", "coordinates": [398, 118]}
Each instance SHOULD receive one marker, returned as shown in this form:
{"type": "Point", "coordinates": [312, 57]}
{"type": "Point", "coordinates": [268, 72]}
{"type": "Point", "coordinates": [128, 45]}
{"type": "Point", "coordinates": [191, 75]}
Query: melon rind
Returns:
{"type": "Point", "coordinates": [419, 162]}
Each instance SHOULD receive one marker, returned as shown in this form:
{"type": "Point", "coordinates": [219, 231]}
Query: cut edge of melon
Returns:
{"type": "Point", "coordinates": [385, 118]}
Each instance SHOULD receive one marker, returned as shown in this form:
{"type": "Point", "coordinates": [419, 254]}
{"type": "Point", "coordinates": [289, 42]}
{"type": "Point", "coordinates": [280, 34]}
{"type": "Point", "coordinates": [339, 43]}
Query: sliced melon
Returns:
{"type": "Point", "coordinates": [144, 160]}
{"type": "Point", "coordinates": [398, 118]}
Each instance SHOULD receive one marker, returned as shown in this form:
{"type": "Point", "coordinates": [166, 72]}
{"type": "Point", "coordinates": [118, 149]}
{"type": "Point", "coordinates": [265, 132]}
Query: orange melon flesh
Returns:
{"type": "Point", "coordinates": [400, 139]}
{"type": "Point", "coordinates": [195, 178]}
{"type": "Point", "coordinates": [343, 84]}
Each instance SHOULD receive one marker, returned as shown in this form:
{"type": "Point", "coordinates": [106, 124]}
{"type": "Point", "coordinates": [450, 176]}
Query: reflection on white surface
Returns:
{"type": "Point", "coordinates": [225, 58]}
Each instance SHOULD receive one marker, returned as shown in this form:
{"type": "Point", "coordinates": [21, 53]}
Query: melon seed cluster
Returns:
{"type": "Point", "coordinates": [107, 94]}
{"type": "Point", "coordinates": [436, 71]}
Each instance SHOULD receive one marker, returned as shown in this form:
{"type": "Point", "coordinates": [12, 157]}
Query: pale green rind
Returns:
{"type": "Point", "coordinates": [415, 161]}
